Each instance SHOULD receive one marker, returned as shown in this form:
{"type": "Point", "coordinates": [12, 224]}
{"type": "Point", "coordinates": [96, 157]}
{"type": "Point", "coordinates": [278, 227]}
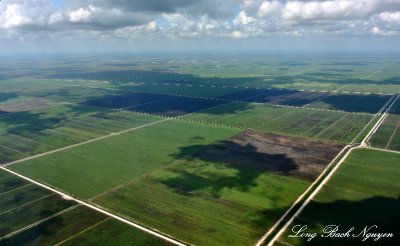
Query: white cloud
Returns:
{"type": "Point", "coordinates": [243, 19]}
{"type": "Point", "coordinates": [81, 14]}
{"type": "Point", "coordinates": [391, 17]}
{"type": "Point", "coordinates": [268, 8]}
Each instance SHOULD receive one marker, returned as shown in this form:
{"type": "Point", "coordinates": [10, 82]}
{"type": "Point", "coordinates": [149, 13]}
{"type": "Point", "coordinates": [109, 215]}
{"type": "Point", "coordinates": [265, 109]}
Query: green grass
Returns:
{"type": "Point", "coordinates": [113, 232]}
{"type": "Point", "coordinates": [388, 134]}
{"type": "Point", "coordinates": [335, 126]}
{"type": "Point", "coordinates": [207, 203]}
{"type": "Point", "coordinates": [363, 192]}
{"type": "Point", "coordinates": [33, 132]}
{"type": "Point", "coordinates": [92, 168]}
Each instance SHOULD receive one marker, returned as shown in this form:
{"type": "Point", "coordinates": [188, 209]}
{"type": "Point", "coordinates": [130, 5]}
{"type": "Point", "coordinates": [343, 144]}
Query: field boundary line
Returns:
{"type": "Point", "coordinates": [15, 189]}
{"type": "Point", "coordinates": [22, 205]}
{"type": "Point", "coordinates": [384, 150]}
{"type": "Point", "coordinates": [365, 141]}
{"type": "Point", "coordinates": [301, 197]}
{"type": "Point", "coordinates": [83, 231]}
{"type": "Point", "coordinates": [373, 118]}
{"type": "Point", "coordinates": [258, 103]}
{"type": "Point", "coordinates": [38, 222]}
{"type": "Point", "coordinates": [329, 175]}
{"type": "Point", "coordinates": [309, 198]}
{"type": "Point", "coordinates": [85, 142]}
{"type": "Point", "coordinates": [101, 210]}
{"type": "Point", "coordinates": [389, 142]}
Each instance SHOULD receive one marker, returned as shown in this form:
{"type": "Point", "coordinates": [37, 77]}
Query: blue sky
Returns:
{"type": "Point", "coordinates": [160, 25]}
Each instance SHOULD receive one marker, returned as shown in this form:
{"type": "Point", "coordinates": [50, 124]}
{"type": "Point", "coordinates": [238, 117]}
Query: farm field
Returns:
{"type": "Point", "coordinates": [327, 125]}
{"type": "Point", "coordinates": [223, 195]}
{"type": "Point", "coordinates": [361, 193]}
{"type": "Point", "coordinates": [131, 154]}
{"type": "Point", "coordinates": [206, 149]}
{"type": "Point", "coordinates": [352, 103]}
{"type": "Point", "coordinates": [25, 204]}
{"type": "Point", "coordinates": [33, 132]}
{"type": "Point", "coordinates": [388, 136]}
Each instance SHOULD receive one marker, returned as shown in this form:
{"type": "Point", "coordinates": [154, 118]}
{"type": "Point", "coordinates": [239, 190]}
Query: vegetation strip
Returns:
{"type": "Point", "coordinates": [38, 222]}
{"type": "Point", "coordinates": [83, 231]}
{"type": "Point", "coordinates": [65, 196]}
{"type": "Point", "coordinates": [386, 108]}
{"type": "Point", "coordinates": [28, 203]}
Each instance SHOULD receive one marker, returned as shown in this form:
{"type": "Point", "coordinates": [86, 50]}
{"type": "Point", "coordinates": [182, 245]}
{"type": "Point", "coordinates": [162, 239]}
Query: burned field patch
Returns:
{"type": "Point", "coordinates": [178, 106]}
{"type": "Point", "coordinates": [292, 156]}
{"type": "Point", "coordinates": [127, 100]}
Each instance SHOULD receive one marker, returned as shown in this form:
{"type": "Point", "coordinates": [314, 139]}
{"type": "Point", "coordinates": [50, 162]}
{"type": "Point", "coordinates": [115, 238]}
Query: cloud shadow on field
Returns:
{"type": "Point", "coordinates": [377, 210]}
{"type": "Point", "coordinates": [237, 170]}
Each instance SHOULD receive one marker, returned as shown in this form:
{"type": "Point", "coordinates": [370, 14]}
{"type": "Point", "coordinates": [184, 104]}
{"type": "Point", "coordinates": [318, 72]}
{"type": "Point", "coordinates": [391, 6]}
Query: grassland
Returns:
{"type": "Point", "coordinates": [335, 126]}
{"type": "Point", "coordinates": [33, 132]}
{"type": "Point", "coordinates": [363, 192]}
{"type": "Point", "coordinates": [93, 168]}
{"type": "Point", "coordinates": [207, 203]}
{"type": "Point", "coordinates": [112, 232]}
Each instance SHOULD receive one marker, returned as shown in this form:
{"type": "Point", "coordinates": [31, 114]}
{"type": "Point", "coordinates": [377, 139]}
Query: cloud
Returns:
{"type": "Point", "coordinates": [196, 19]}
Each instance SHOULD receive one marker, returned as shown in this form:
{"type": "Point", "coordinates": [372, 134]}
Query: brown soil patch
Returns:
{"type": "Point", "coordinates": [285, 155]}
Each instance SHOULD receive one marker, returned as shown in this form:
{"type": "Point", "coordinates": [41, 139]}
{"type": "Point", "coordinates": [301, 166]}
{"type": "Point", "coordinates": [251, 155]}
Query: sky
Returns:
{"type": "Point", "coordinates": [51, 26]}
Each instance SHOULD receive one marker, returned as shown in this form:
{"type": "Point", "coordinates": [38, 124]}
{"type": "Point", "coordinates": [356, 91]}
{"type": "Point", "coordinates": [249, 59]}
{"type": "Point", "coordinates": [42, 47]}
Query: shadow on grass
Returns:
{"type": "Point", "coordinates": [380, 211]}
{"type": "Point", "coordinates": [33, 121]}
{"type": "Point", "coordinates": [243, 167]}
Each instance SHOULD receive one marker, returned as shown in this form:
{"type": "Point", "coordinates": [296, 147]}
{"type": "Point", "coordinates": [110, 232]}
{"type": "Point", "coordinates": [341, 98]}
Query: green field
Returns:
{"type": "Point", "coordinates": [363, 192]}
{"type": "Point", "coordinates": [22, 204]}
{"type": "Point", "coordinates": [93, 168]}
{"type": "Point", "coordinates": [388, 134]}
{"type": "Point", "coordinates": [27, 133]}
{"type": "Point", "coordinates": [111, 232]}
{"type": "Point", "coordinates": [335, 126]}
{"type": "Point", "coordinates": [207, 203]}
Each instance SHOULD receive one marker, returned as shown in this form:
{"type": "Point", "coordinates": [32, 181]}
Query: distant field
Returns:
{"type": "Point", "coordinates": [32, 132]}
{"type": "Point", "coordinates": [352, 103]}
{"type": "Point", "coordinates": [363, 192]}
{"type": "Point", "coordinates": [93, 168]}
{"type": "Point", "coordinates": [184, 90]}
{"type": "Point", "coordinates": [335, 126]}
{"type": "Point", "coordinates": [229, 193]}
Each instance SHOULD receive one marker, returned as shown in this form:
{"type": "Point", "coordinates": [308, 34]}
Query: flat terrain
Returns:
{"type": "Point", "coordinates": [301, 158]}
{"type": "Point", "coordinates": [219, 196]}
{"type": "Point", "coordinates": [32, 132]}
{"type": "Point", "coordinates": [363, 192]}
{"type": "Point", "coordinates": [388, 134]}
{"type": "Point", "coordinates": [109, 162]}
{"type": "Point", "coordinates": [31, 215]}
{"type": "Point", "coordinates": [209, 149]}
{"type": "Point", "coordinates": [352, 103]}
{"type": "Point", "coordinates": [327, 125]}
